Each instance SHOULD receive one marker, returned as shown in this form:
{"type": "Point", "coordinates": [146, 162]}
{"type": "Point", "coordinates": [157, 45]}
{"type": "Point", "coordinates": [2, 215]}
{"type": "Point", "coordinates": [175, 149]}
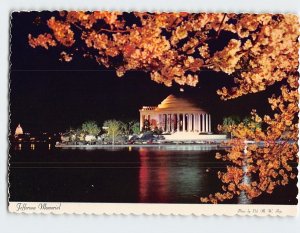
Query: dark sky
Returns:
{"type": "Point", "coordinates": [50, 95]}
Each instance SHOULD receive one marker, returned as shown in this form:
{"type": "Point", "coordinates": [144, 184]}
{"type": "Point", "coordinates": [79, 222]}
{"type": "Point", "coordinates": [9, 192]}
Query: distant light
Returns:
{"type": "Point", "coordinates": [19, 130]}
{"type": "Point", "coordinates": [181, 90]}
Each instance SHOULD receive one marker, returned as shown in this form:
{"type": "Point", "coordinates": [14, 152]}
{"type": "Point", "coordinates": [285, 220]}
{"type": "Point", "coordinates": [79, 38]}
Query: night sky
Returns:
{"type": "Point", "coordinates": [50, 95]}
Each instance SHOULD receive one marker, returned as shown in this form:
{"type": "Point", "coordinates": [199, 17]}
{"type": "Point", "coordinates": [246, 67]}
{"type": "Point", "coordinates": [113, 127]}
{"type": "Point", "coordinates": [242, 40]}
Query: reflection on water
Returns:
{"type": "Point", "coordinates": [32, 146]}
{"type": "Point", "coordinates": [147, 174]}
{"type": "Point", "coordinates": [167, 176]}
{"type": "Point", "coordinates": [153, 180]}
{"type": "Point", "coordinates": [243, 199]}
{"type": "Point", "coordinates": [182, 147]}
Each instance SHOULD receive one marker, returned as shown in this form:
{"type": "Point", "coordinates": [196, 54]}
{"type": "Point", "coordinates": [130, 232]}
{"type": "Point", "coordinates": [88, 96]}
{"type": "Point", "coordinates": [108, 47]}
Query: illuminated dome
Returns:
{"type": "Point", "coordinates": [176, 114]}
{"type": "Point", "coordinates": [19, 130]}
{"type": "Point", "coordinates": [174, 103]}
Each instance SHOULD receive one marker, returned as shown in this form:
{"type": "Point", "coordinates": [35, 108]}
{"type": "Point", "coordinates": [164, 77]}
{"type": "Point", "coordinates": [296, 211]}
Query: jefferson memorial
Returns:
{"type": "Point", "coordinates": [176, 114]}
{"type": "Point", "coordinates": [180, 119]}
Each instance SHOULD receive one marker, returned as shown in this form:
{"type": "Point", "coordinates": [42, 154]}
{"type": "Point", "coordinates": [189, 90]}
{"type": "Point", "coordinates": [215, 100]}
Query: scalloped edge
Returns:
{"type": "Point", "coordinates": [147, 209]}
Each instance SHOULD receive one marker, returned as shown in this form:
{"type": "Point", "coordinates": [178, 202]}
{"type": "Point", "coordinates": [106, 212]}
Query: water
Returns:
{"type": "Point", "coordinates": [165, 174]}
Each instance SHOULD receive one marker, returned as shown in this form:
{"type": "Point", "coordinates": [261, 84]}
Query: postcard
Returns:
{"type": "Point", "coordinates": [153, 113]}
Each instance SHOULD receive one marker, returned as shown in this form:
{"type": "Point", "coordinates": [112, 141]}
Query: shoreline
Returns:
{"type": "Point", "coordinates": [218, 145]}
{"type": "Point", "coordinates": [142, 145]}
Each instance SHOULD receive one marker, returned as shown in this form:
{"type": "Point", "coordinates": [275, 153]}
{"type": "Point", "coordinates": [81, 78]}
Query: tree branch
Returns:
{"type": "Point", "coordinates": [112, 31]}
{"type": "Point", "coordinates": [219, 30]}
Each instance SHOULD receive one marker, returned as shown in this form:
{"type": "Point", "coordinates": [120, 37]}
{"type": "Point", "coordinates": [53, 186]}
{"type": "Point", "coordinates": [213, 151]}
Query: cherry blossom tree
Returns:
{"type": "Point", "coordinates": [259, 50]}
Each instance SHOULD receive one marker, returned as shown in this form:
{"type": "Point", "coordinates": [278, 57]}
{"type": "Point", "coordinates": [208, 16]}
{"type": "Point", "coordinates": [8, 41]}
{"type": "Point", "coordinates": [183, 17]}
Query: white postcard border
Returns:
{"type": "Point", "coordinates": [158, 209]}
{"type": "Point", "coordinates": [151, 209]}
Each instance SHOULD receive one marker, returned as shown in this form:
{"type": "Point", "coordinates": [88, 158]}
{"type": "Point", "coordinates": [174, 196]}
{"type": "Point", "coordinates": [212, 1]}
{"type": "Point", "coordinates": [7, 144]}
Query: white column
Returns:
{"type": "Point", "coordinates": [203, 122]}
{"type": "Point", "coordinates": [192, 119]}
{"type": "Point", "coordinates": [178, 122]}
{"type": "Point", "coordinates": [164, 122]}
{"type": "Point", "coordinates": [199, 122]}
{"type": "Point", "coordinates": [171, 123]}
{"type": "Point", "coordinates": [209, 123]}
{"type": "Point", "coordinates": [170, 126]}
{"type": "Point", "coordinates": [141, 122]}
{"type": "Point", "coordinates": [198, 119]}
{"type": "Point", "coordinates": [206, 121]}
{"type": "Point", "coordinates": [168, 122]}
{"type": "Point", "coordinates": [189, 123]}
{"type": "Point", "coordinates": [194, 124]}
{"type": "Point", "coordinates": [183, 119]}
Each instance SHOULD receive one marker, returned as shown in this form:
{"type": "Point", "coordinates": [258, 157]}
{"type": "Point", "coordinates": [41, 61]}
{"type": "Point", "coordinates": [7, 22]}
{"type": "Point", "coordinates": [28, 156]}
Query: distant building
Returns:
{"type": "Point", "coordinates": [19, 130]}
{"type": "Point", "coordinates": [176, 114]}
